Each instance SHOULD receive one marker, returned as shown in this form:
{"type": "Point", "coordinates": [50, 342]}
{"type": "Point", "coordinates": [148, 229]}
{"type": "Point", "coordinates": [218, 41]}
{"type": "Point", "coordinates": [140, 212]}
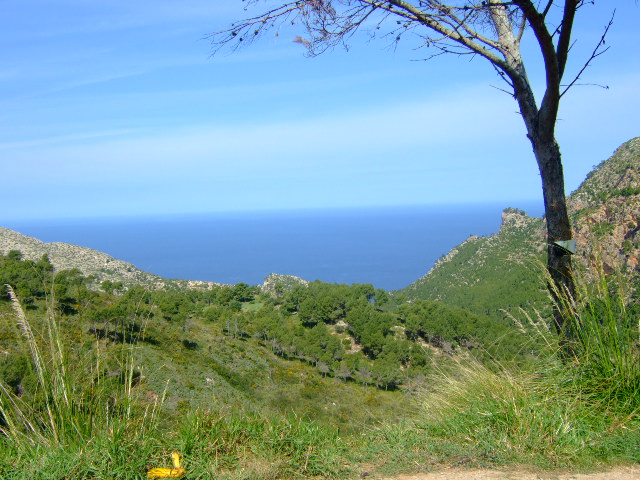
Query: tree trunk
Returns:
{"type": "Point", "coordinates": [561, 285]}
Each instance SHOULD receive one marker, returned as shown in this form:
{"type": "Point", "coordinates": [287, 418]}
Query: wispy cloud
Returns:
{"type": "Point", "coordinates": [62, 139]}
{"type": "Point", "coordinates": [49, 20]}
{"type": "Point", "coordinates": [367, 138]}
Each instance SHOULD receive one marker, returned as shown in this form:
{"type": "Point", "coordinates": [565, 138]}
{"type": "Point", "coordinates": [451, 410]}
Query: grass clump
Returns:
{"type": "Point", "coordinates": [240, 445]}
{"type": "Point", "coordinates": [504, 417]}
{"type": "Point", "coordinates": [606, 359]}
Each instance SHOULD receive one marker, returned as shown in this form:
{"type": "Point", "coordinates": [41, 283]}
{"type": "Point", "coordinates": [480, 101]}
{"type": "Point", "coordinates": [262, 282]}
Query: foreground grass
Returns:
{"type": "Point", "coordinates": [576, 412]}
{"type": "Point", "coordinates": [230, 446]}
{"type": "Point", "coordinates": [574, 407]}
{"type": "Point", "coordinates": [473, 417]}
{"type": "Point", "coordinates": [480, 417]}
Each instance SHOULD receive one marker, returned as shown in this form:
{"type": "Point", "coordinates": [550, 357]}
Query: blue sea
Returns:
{"type": "Point", "coordinates": [389, 247]}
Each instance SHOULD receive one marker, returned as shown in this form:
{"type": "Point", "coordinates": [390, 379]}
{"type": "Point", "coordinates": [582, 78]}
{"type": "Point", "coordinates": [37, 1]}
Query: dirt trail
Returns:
{"type": "Point", "coordinates": [620, 473]}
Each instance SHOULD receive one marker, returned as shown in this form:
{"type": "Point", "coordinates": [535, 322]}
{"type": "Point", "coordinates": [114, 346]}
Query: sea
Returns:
{"type": "Point", "coordinates": [389, 247]}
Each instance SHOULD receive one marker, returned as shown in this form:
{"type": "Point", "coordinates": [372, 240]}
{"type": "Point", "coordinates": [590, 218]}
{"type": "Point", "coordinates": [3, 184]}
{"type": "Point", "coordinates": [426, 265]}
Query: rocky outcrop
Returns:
{"type": "Point", "coordinates": [605, 210]}
{"type": "Point", "coordinates": [276, 283]}
{"type": "Point", "coordinates": [514, 218]}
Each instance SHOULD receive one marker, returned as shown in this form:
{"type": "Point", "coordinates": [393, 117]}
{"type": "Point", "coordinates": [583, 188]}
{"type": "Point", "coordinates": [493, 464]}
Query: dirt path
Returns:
{"type": "Point", "coordinates": [621, 473]}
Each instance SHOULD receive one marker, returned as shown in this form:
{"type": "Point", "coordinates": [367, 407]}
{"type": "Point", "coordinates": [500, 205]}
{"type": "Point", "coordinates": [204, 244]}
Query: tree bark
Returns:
{"type": "Point", "coordinates": [561, 285]}
{"type": "Point", "coordinates": [540, 125]}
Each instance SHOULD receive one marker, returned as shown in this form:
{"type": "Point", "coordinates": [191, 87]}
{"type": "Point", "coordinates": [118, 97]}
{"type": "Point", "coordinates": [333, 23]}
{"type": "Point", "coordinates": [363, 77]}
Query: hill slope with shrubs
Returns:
{"type": "Point", "coordinates": [505, 271]}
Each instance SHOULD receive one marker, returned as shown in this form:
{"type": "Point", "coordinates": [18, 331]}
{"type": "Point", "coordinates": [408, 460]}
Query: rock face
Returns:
{"type": "Point", "coordinates": [90, 262]}
{"type": "Point", "coordinates": [514, 218]}
{"type": "Point", "coordinates": [605, 211]}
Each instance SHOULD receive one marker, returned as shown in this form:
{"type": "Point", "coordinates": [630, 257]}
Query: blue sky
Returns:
{"type": "Point", "coordinates": [117, 108]}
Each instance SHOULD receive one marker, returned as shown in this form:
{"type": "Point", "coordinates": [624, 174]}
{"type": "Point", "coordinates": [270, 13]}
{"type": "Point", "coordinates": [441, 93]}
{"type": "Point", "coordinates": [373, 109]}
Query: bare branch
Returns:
{"type": "Point", "coordinates": [504, 77]}
{"type": "Point", "coordinates": [547, 8]}
{"type": "Point", "coordinates": [522, 28]}
{"type": "Point", "coordinates": [564, 41]}
{"type": "Point", "coordinates": [327, 27]}
{"type": "Point", "coordinates": [597, 51]}
{"type": "Point", "coordinates": [503, 90]}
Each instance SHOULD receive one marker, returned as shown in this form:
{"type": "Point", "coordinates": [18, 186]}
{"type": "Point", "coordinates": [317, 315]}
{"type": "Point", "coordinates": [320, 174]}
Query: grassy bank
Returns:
{"type": "Point", "coordinates": [85, 421]}
{"type": "Point", "coordinates": [575, 406]}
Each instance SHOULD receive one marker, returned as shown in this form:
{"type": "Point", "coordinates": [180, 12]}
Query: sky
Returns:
{"type": "Point", "coordinates": [117, 108]}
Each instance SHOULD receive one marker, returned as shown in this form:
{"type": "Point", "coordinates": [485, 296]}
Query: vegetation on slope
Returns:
{"type": "Point", "coordinates": [488, 275]}
{"type": "Point", "coordinates": [245, 385]}
{"type": "Point", "coordinates": [236, 335]}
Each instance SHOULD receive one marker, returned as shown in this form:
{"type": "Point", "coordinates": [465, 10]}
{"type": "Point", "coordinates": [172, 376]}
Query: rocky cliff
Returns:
{"type": "Point", "coordinates": [605, 210]}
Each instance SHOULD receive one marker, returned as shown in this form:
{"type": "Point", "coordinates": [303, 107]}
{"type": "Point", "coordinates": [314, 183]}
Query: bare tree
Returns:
{"type": "Point", "coordinates": [491, 29]}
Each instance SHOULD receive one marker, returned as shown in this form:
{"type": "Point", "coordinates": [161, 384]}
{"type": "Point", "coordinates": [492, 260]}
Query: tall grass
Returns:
{"type": "Point", "coordinates": [606, 358]}
{"type": "Point", "coordinates": [78, 421]}
{"type": "Point", "coordinates": [555, 411]}
{"type": "Point", "coordinates": [73, 401]}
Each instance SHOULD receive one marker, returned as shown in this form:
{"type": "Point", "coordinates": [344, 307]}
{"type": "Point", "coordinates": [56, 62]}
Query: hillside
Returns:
{"type": "Point", "coordinates": [486, 274]}
{"type": "Point", "coordinates": [91, 263]}
{"type": "Point", "coordinates": [505, 271]}
{"type": "Point", "coordinates": [605, 210]}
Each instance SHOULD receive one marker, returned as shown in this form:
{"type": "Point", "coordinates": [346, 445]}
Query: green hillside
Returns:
{"type": "Point", "coordinates": [505, 271]}
{"type": "Point", "coordinates": [242, 346]}
{"type": "Point", "coordinates": [489, 274]}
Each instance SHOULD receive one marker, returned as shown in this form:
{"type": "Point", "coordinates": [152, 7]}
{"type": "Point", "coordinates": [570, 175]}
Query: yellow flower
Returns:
{"type": "Point", "coordinates": [175, 472]}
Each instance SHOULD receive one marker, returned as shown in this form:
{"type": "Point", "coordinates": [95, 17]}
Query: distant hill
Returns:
{"type": "Point", "coordinates": [102, 267]}
{"type": "Point", "coordinates": [505, 271]}
{"type": "Point", "coordinates": [90, 262]}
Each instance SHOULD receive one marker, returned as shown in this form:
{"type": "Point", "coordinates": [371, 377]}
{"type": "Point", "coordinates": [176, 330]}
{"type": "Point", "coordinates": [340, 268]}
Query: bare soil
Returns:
{"type": "Point", "coordinates": [619, 473]}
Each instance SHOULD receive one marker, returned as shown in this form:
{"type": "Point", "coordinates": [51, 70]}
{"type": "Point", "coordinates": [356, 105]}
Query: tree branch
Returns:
{"type": "Point", "coordinates": [562, 52]}
{"type": "Point", "coordinates": [596, 53]}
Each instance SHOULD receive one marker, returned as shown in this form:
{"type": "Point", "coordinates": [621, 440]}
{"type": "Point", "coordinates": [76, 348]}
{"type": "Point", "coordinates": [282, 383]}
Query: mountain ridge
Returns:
{"type": "Point", "coordinates": [90, 262]}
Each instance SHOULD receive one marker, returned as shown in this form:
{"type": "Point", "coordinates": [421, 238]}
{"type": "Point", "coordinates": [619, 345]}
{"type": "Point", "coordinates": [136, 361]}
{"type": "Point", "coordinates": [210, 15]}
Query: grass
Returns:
{"type": "Point", "coordinates": [82, 422]}
{"type": "Point", "coordinates": [475, 416]}
{"type": "Point", "coordinates": [575, 412]}
{"type": "Point", "coordinates": [74, 405]}
{"type": "Point", "coordinates": [607, 359]}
